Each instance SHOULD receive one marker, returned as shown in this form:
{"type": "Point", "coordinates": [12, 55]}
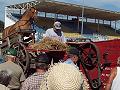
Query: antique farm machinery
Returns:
{"type": "Point", "coordinates": [14, 36]}
{"type": "Point", "coordinates": [21, 36]}
{"type": "Point", "coordinates": [89, 62]}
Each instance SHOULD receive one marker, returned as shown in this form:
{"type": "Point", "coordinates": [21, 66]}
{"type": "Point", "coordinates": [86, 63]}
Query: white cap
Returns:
{"type": "Point", "coordinates": [57, 25]}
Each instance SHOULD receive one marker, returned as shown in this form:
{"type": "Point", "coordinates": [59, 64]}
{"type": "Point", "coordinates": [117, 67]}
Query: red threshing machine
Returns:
{"type": "Point", "coordinates": [109, 53]}
{"type": "Point", "coordinates": [97, 59]}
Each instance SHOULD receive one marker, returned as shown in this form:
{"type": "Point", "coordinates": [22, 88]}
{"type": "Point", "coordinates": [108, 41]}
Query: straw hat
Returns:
{"type": "Point", "coordinates": [62, 76]}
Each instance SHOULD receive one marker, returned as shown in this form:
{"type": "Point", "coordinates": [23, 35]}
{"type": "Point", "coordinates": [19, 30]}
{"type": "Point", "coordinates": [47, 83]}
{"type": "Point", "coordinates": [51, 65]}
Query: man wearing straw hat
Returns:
{"type": "Point", "coordinates": [62, 76]}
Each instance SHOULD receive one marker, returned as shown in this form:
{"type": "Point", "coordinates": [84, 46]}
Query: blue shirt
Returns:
{"type": "Point", "coordinates": [69, 61]}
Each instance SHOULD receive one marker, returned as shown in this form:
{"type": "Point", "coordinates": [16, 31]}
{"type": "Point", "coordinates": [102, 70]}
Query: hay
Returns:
{"type": "Point", "coordinates": [50, 44]}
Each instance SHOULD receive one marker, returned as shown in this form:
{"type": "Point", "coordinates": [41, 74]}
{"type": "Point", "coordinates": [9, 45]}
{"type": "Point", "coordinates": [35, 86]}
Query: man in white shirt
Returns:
{"type": "Point", "coordinates": [55, 32]}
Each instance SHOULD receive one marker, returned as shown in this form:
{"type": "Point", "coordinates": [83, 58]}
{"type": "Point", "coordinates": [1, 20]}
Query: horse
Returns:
{"type": "Point", "coordinates": [23, 24]}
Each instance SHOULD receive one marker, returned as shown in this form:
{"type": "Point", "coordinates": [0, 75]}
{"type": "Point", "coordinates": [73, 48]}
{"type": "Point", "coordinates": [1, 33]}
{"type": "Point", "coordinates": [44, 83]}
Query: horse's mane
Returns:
{"type": "Point", "coordinates": [27, 12]}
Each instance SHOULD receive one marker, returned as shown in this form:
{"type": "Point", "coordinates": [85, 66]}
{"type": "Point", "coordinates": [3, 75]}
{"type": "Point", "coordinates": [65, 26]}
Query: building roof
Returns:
{"type": "Point", "coordinates": [51, 6]}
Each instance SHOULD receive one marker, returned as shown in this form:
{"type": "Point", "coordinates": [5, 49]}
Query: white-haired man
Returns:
{"type": "Point", "coordinates": [55, 32]}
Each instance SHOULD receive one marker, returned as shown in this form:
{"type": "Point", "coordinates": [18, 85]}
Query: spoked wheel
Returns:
{"type": "Point", "coordinates": [90, 61]}
{"type": "Point", "coordinates": [23, 56]}
{"type": "Point", "coordinates": [90, 55]}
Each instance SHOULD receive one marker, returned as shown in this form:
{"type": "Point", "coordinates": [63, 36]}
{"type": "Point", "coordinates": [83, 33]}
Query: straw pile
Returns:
{"type": "Point", "coordinates": [50, 44]}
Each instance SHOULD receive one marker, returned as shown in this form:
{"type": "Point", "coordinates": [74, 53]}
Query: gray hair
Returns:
{"type": "Point", "coordinates": [5, 77]}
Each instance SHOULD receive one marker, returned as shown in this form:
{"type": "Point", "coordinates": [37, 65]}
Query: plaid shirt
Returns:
{"type": "Point", "coordinates": [33, 82]}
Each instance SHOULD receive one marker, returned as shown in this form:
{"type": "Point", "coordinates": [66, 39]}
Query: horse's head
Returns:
{"type": "Point", "coordinates": [33, 12]}
{"type": "Point", "coordinates": [29, 14]}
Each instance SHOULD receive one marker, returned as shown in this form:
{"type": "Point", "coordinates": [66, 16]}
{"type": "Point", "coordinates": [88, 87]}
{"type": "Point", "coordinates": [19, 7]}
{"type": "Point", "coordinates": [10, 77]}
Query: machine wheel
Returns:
{"type": "Point", "coordinates": [90, 55]}
{"type": "Point", "coordinates": [23, 56]}
{"type": "Point", "coordinates": [90, 60]}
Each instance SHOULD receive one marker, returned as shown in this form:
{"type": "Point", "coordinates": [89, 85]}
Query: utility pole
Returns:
{"type": "Point", "coordinates": [82, 18]}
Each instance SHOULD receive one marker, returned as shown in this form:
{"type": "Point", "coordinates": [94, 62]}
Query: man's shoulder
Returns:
{"type": "Point", "coordinates": [32, 77]}
{"type": "Point", "coordinates": [49, 29]}
{"type": "Point", "coordinates": [5, 64]}
{"type": "Point", "coordinates": [16, 66]}
{"type": "Point", "coordinates": [29, 79]}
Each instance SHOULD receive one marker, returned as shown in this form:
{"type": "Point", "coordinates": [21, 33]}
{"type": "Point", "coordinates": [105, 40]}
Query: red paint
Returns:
{"type": "Point", "coordinates": [112, 47]}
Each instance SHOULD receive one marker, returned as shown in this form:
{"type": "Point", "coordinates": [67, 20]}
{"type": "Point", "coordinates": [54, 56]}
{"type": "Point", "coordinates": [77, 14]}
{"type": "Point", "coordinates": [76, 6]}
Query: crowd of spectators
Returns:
{"type": "Point", "coordinates": [12, 76]}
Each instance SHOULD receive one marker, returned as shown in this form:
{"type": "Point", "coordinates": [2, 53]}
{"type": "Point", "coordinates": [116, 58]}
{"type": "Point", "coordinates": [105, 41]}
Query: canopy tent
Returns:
{"type": "Point", "coordinates": [50, 6]}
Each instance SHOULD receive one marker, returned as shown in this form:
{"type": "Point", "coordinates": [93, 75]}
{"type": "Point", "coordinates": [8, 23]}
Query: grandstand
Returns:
{"type": "Point", "coordinates": [70, 15]}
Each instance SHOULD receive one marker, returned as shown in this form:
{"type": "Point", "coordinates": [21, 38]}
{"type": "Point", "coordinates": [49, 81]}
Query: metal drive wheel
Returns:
{"type": "Point", "coordinates": [90, 61]}
{"type": "Point", "coordinates": [90, 55]}
{"type": "Point", "coordinates": [23, 56]}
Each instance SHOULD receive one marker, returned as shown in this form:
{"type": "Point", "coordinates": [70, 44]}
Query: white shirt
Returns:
{"type": "Point", "coordinates": [2, 87]}
{"type": "Point", "coordinates": [116, 81]}
{"type": "Point", "coordinates": [51, 34]}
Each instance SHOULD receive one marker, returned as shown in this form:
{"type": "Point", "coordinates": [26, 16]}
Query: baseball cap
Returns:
{"type": "Point", "coordinates": [73, 50]}
{"type": "Point", "coordinates": [57, 25]}
{"type": "Point", "coordinates": [12, 51]}
{"type": "Point", "coordinates": [42, 58]}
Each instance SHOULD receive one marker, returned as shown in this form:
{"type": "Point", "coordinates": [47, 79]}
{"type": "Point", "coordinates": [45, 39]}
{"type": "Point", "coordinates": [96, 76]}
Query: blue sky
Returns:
{"type": "Point", "coordinates": [113, 5]}
{"type": "Point", "coordinates": [4, 3]}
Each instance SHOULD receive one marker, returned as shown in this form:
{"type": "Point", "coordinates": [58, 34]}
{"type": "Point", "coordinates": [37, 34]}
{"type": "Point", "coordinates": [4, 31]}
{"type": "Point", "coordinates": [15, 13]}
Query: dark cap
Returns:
{"type": "Point", "coordinates": [42, 58]}
{"type": "Point", "coordinates": [73, 50]}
